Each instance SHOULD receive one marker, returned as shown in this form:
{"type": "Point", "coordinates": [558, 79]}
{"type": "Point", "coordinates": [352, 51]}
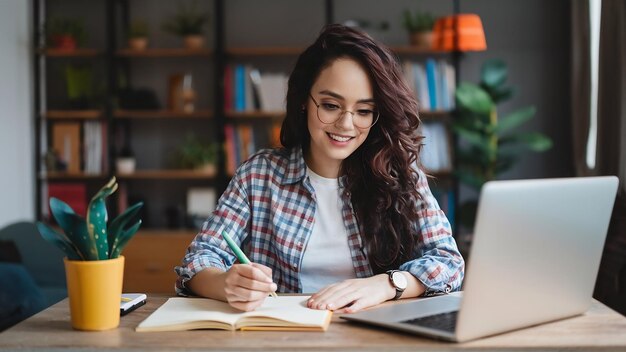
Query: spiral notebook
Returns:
{"type": "Point", "coordinates": [284, 313]}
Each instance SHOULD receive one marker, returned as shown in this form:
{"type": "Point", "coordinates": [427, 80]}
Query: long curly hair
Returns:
{"type": "Point", "coordinates": [381, 175]}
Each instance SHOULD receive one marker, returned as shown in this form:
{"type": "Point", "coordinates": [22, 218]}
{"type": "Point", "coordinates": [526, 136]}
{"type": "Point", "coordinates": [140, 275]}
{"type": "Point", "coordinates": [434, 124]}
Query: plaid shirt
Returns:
{"type": "Point", "coordinates": [269, 210]}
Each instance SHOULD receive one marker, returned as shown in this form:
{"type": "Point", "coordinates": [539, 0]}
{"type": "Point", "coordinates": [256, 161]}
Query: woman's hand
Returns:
{"type": "Point", "coordinates": [247, 285]}
{"type": "Point", "coordinates": [353, 295]}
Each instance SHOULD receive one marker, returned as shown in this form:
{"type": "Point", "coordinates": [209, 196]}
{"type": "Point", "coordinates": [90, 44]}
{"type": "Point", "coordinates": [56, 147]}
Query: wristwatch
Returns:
{"type": "Point", "coordinates": [398, 281]}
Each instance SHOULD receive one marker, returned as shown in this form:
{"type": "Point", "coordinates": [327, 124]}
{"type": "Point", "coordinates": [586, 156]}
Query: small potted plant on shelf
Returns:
{"type": "Point", "coordinates": [193, 154]}
{"type": "Point", "coordinates": [65, 33]}
{"type": "Point", "coordinates": [420, 26]}
{"type": "Point", "coordinates": [138, 35]}
{"type": "Point", "coordinates": [189, 24]}
{"type": "Point", "coordinates": [94, 265]}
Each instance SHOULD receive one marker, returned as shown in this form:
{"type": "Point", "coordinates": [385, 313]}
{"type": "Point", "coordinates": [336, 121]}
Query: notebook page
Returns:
{"type": "Point", "coordinates": [182, 311]}
{"type": "Point", "coordinates": [291, 309]}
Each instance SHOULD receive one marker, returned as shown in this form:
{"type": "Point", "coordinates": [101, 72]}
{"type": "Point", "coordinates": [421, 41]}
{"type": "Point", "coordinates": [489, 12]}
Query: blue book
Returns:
{"type": "Point", "coordinates": [431, 77]}
{"type": "Point", "coordinates": [240, 88]}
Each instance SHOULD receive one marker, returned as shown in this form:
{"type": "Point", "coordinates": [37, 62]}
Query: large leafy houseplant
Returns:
{"type": "Point", "coordinates": [91, 238]}
{"type": "Point", "coordinates": [490, 144]}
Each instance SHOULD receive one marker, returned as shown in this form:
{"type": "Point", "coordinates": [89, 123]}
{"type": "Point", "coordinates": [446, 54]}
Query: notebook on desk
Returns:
{"type": "Point", "coordinates": [284, 313]}
{"type": "Point", "coordinates": [535, 256]}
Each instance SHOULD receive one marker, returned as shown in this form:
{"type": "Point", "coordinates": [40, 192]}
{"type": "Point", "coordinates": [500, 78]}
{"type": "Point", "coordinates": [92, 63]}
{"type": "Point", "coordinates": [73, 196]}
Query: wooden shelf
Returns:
{"type": "Point", "coordinates": [72, 114]}
{"type": "Point", "coordinates": [79, 52]}
{"type": "Point", "coordinates": [435, 115]}
{"type": "Point", "coordinates": [165, 52]}
{"type": "Point", "coordinates": [411, 50]}
{"type": "Point", "coordinates": [162, 114]}
{"type": "Point", "coordinates": [61, 175]}
{"type": "Point", "coordinates": [255, 114]}
{"type": "Point", "coordinates": [265, 51]}
{"type": "Point", "coordinates": [166, 174]}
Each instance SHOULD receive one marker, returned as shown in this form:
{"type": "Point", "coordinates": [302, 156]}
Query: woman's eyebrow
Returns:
{"type": "Point", "coordinates": [339, 97]}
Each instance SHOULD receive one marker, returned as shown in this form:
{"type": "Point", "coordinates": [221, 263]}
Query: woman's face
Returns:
{"type": "Point", "coordinates": [343, 85]}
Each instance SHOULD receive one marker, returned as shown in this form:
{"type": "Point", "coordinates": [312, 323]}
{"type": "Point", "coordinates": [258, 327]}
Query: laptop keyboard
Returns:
{"type": "Point", "coordinates": [443, 321]}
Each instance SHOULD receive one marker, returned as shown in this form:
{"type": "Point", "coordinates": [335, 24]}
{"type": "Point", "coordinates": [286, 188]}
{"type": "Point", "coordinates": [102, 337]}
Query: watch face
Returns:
{"type": "Point", "coordinates": [399, 280]}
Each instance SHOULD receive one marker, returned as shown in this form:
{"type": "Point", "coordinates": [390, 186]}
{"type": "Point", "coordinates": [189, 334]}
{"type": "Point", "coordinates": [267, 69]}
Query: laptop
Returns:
{"type": "Point", "coordinates": [535, 256]}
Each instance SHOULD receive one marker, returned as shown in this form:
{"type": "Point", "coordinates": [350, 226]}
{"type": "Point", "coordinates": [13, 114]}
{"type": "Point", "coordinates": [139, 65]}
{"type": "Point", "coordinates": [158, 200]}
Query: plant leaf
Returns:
{"type": "Point", "coordinates": [470, 178]}
{"type": "Point", "coordinates": [494, 73]}
{"type": "Point", "coordinates": [119, 223]}
{"type": "Point", "coordinates": [534, 141]}
{"type": "Point", "coordinates": [59, 240]}
{"type": "Point", "coordinates": [122, 240]}
{"type": "Point", "coordinates": [515, 119]}
{"type": "Point", "coordinates": [97, 218]}
{"type": "Point", "coordinates": [475, 139]}
{"type": "Point", "coordinates": [472, 98]}
{"type": "Point", "coordinates": [61, 210]}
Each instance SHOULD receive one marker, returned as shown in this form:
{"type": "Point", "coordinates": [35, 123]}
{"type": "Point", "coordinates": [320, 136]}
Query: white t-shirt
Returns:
{"type": "Point", "coordinates": [327, 258]}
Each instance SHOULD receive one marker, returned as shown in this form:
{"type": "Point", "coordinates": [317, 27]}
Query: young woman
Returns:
{"type": "Point", "coordinates": [343, 211]}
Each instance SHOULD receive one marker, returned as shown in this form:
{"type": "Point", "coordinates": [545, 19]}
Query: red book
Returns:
{"type": "Point", "coordinates": [228, 88]}
{"type": "Point", "coordinates": [74, 194]}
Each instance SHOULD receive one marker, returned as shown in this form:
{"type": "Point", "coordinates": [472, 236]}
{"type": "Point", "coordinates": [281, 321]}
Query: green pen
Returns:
{"type": "Point", "coordinates": [239, 253]}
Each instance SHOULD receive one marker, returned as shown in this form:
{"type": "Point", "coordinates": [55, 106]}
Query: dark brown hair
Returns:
{"type": "Point", "coordinates": [381, 178]}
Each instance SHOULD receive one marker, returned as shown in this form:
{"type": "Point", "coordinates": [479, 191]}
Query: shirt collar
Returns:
{"type": "Point", "coordinates": [296, 169]}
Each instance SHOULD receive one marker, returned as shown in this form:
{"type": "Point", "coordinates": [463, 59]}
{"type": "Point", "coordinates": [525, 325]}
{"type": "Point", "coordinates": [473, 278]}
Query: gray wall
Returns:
{"type": "Point", "coordinates": [16, 130]}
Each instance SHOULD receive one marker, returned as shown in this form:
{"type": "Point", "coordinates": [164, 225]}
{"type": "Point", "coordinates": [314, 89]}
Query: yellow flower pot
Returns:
{"type": "Point", "coordinates": [95, 289]}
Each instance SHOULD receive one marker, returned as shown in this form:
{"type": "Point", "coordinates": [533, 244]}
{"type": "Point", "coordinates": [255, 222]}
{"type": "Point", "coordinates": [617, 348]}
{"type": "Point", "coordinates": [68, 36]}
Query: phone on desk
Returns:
{"type": "Point", "coordinates": [131, 301]}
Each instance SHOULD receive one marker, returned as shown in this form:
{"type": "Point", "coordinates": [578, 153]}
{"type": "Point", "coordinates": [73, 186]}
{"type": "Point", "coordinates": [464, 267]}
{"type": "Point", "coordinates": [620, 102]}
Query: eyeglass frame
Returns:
{"type": "Point", "coordinates": [343, 112]}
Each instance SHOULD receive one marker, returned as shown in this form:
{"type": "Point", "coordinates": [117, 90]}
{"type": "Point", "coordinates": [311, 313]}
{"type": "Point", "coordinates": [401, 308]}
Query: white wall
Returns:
{"type": "Point", "coordinates": [16, 113]}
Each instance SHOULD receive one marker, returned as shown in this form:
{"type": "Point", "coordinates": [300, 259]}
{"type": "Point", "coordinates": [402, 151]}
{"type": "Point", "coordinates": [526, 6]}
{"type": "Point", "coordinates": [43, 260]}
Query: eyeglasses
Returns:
{"type": "Point", "coordinates": [329, 113]}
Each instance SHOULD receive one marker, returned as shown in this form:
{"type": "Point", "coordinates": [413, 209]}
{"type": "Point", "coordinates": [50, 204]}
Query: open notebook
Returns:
{"type": "Point", "coordinates": [281, 313]}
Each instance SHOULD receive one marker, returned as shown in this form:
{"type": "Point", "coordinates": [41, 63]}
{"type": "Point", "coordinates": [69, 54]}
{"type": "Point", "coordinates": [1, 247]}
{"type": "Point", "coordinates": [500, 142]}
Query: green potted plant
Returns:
{"type": "Point", "coordinates": [189, 24]}
{"type": "Point", "coordinates": [491, 146]}
{"type": "Point", "coordinates": [419, 24]}
{"type": "Point", "coordinates": [94, 265]}
{"type": "Point", "coordinates": [193, 154]}
{"type": "Point", "coordinates": [138, 35]}
{"type": "Point", "coordinates": [65, 33]}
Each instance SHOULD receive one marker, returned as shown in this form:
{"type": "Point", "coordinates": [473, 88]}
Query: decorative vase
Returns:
{"type": "Point", "coordinates": [125, 165]}
{"type": "Point", "coordinates": [94, 289]}
{"type": "Point", "coordinates": [194, 42]}
{"type": "Point", "coordinates": [423, 40]}
{"type": "Point", "coordinates": [138, 44]}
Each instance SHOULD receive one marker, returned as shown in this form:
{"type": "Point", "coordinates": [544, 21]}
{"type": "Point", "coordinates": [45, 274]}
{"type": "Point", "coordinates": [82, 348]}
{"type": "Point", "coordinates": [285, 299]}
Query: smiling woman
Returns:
{"type": "Point", "coordinates": [343, 211]}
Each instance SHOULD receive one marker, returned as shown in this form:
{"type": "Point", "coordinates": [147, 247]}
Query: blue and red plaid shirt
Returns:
{"type": "Point", "coordinates": [269, 210]}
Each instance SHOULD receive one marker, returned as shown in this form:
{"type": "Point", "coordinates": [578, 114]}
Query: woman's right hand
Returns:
{"type": "Point", "coordinates": [247, 285]}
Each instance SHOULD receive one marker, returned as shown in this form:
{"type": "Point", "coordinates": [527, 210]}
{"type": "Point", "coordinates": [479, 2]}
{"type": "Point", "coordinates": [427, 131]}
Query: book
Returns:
{"type": "Point", "coordinates": [66, 142]}
{"type": "Point", "coordinates": [283, 313]}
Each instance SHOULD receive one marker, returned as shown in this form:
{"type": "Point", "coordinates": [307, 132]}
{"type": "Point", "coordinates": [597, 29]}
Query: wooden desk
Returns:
{"type": "Point", "coordinates": [600, 329]}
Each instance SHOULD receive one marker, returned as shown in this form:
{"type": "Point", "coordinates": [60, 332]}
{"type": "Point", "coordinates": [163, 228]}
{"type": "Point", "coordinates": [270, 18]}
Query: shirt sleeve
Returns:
{"type": "Point", "coordinates": [208, 249]}
{"type": "Point", "coordinates": [438, 265]}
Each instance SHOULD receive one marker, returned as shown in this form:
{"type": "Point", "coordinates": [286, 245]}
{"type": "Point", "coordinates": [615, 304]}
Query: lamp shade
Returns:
{"type": "Point", "coordinates": [461, 32]}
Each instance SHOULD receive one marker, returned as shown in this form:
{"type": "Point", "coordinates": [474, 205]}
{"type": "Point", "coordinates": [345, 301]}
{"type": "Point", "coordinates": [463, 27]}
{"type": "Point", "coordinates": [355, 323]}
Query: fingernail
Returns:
{"type": "Point", "coordinates": [274, 287]}
{"type": "Point", "coordinates": [330, 306]}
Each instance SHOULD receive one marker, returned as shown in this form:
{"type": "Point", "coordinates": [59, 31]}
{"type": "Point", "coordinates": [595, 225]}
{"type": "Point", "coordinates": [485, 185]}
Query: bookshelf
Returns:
{"type": "Point", "coordinates": [153, 133]}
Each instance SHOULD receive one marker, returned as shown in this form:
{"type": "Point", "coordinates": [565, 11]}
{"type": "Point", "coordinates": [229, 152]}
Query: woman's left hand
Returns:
{"type": "Point", "coordinates": [353, 295]}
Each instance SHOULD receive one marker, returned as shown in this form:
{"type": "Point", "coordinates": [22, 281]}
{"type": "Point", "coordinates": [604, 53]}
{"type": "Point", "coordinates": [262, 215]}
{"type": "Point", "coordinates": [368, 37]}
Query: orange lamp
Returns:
{"type": "Point", "coordinates": [461, 32]}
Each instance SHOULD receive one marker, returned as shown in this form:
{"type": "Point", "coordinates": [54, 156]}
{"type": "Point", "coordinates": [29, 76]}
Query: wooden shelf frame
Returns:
{"type": "Point", "coordinates": [171, 174]}
{"type": "Point", "coordinates": [265, 51]}
{"type": "Point", "coordinates": [165, 52]}
{"type": "Point", "coordinates": [162, 114]}
{"type": "Point", "coordinates": [72, 114]}
{"type": "Point", "coordinates": [77, 53]}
